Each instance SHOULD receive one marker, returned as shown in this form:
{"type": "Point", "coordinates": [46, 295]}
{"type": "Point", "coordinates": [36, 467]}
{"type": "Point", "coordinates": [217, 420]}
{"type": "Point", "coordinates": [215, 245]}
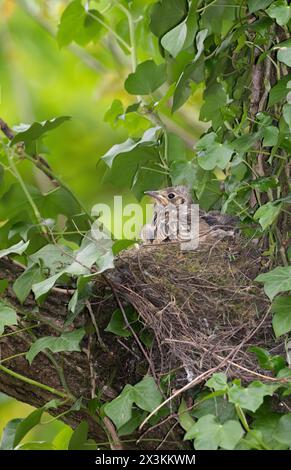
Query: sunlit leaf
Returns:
{"type": "Point", "coordinates": [147, 78]}
{"type": "Point", "coordinates": [29, 132]}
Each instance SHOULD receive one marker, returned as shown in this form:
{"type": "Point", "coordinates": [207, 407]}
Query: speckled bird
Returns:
{"type": "Point", "coordinates": [172, 218]}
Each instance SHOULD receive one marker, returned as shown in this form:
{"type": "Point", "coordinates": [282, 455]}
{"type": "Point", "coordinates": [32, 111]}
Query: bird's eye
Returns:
{"type": "Point", "coordinates": [171, 195]}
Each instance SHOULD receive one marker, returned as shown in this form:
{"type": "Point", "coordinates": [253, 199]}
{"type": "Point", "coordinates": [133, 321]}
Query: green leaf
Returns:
{"type": "Point", "coordinates": [91, 252]}
{"type": "Point", "coordinates": [114, 112]}
{"type": "Point", "coordinates": [146, 394]}
{"type": "Point", "coordinates": [255, 5]}
{"type": "Point", "coordinates": [8, 434]}
{"type": "Point", "coordinates": [30, 132]}
{"type": "Point", "coordinates": [279, 91]}
{"type": "Point", "coordinates": [275, 281]}
{"type": "Point", "coordinates": [119, 410]}
{"type": "Point", "coordinates": [214, 404]}
{"type": "Point", "coordinates": [147, 78]}
{"type": "Point", "coordinates": [23, 284]}
{"type": "Point", "coordinates": [281, 11]}
{"type": "Point", "coordinates": [166, 14]}
{"type": "Point", "coordinates": [8, 316]}
{"type": "Point", "coordinates": [185, 419]}
{"type": "Point", "coordinates": [184, 173]}
{"type": "Point", "coordinates": [173, 41]}
{"type": "Point", "coordinates": [117, 325]}
{"type": "Point", "coordinates": [267, 214]}
{"type": "Point", "coordinates": [78, 25]}
{"type": "Point", "coordinates": [130, 426]}
{"type": "Point", "coordinates": [66, 342]}
{"type": "Point", "coordinates": [209, 434]}
{"type": "Point", "coordinates": [33, 419]}
{"type": "Point", "coordinates": [215, 98]}
{"type": "Point", "coordinates": [217, 382]}
{"type": "Point", "coordinates": [212, 154]}
{"type": "Point", "coordinates": [283, 431]}
{"type": "Point", "coordinates": [193, 72]}
{"type": "Point", "coordinates": [282, 318]}
{"type": "Point", "coordinates": [79, 437]}
{"type": "Point", "coordinates": [16, 249]}
{"type": "Point", "coordinates": [147, 140]}
{"type": "Point", "coordinates": [270, 135]}
{"type": "Point", "coordinates": [252, 397]}
{"type": "Point", "coordinates": [287, 112]}
{"type": "Point", "coordinates": [267, 360]}
{"type": "Point", "coordinates": [36, 445]}
{"type": "Point", "coordinates": [284, 52]}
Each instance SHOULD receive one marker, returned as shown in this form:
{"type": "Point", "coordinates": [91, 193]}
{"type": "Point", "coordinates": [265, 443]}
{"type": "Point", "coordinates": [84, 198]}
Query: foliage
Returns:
{"type": "Point", "coordinates": [172, 51]}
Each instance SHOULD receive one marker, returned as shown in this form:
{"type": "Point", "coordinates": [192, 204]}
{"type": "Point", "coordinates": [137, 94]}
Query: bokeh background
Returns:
{"type": "Point", "coordinates": [39, 81]}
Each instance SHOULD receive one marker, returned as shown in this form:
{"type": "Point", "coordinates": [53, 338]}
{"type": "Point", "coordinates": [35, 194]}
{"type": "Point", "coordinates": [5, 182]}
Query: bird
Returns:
{"type": "Point", "coordinates": [174, 219]}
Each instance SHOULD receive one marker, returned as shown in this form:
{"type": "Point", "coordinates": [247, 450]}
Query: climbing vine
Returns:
{"type": "Point", "coordinates": [235, 55]}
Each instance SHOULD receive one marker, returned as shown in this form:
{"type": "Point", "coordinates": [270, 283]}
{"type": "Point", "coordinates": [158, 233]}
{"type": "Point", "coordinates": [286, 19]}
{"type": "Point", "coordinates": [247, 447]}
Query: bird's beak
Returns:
{"type": "Point", "coordinates": [156, 195]}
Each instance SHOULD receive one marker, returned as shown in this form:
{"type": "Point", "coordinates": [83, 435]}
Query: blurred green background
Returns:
{"type": "Point", "coordinates": [39, 81]}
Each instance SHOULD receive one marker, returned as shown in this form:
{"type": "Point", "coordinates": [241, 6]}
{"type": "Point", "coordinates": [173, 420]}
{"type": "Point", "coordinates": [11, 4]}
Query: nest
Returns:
{"type": "Point", "coordinates": [203, 306]}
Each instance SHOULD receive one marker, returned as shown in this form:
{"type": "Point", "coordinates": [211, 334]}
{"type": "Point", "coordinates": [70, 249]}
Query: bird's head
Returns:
{"type": "Point", "coordinates": [175, 195]}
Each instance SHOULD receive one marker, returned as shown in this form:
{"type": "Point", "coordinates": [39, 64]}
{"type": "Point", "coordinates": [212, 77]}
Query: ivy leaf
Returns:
{"type": "Point", "coordinates": [281, 11]}
{"type": "Point", "coordinates": [185, 173]}
{"type": "Point", "coordinates": [282, 318]}
{"type": "Point", "coordinates": [30, 132]}
{"type": "Point", "coordinates": [267, 214]}
{"type": "Point", "coordinates": [193, 72]}
{"type": "Point", "coordinates": [252, 397]}
{"type": "Point", "coordinates": [117, 325]}
{"type": "Point", "coordinates": [119, 410]}
{"type": "Point", "coordinates": [147, 140]}
{"type": "Point", "coordinates": [213, 154]}
{"type": "Point", "coordinates": [66, 342]}
{"type": "Point", "coordinates": [114, 112]}
{"type": "Point", "coordinates": [217, 382]}
{"type": "Point", "coordinates": [209, 434]}
{"type": "Point", "coordinates": [146, 394]}
{"type": "Point", "coordinates": [91, 252]}
{"type": "Point", "coordinates": [275, 281]}
{"type": "Point", "coordinates": [79, 437]}
{"type": "Point", "coordinates": [173, 41]}
{"type": "Point", "coordinates": [270, 136]}
{"type": "Point", "coordinates": [8, 316]}
{"type": "Point", "coordinates": [23, 284]}
{"type": "Point", "coordinates": [287, 112]}
{"type": "Point", "coordinates": [267, 360]}
{"type": "Point", "coordinates": [284, 52]}
{"type": "Point", "coordinates": [33, 419]}
{"type": "Point", "coordinates": [147, 78]}
{"type": "Point", "coordinates": [215, 98]}
{"type": "Point", "coordinates": [16, 249]}
{"type": "Point", "coordinates": [283, 431]}
{"type": "Point", "coordinates": [166, 14]}
{"type": "Point", "coordinates": [255, 5]}
{"type": "Point", "coordinates": [8, 434]}
{"type": "Point", "coordinates": [78, 25]}
{"type": "Point", "coordinates": [215, 405]}
{"type": "Point", "coordinates": [279, 91]}
{"type": "Point", "coordinates": [130, 426]}
{"type": "Point", "coordinates": [185, 419]}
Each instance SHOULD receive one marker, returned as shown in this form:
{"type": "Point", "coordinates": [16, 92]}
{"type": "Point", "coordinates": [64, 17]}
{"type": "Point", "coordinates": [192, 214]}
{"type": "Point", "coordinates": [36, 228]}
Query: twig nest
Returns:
{"type": "Point", "coordinates": [203, 306]}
